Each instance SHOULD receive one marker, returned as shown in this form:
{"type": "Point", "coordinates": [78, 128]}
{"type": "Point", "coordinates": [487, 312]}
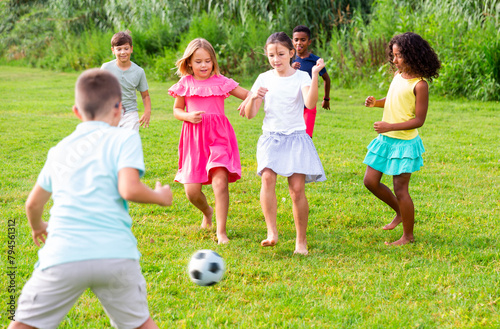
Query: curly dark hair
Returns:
{"type": "Point", "coordinates": [421, 59]}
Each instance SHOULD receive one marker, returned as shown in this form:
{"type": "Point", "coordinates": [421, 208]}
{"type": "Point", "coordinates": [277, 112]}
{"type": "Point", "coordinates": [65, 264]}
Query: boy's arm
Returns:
{"type": "Point", "coordinates": [132, 189]}
{"type": "Point", "coordinates": [326, 99]}
{"type": "Point", "coordinates": [35, 203]}
{"type": "Point", "coordinates": [310, 93]}
{"type": "Point", "coordinates": [146, 100]}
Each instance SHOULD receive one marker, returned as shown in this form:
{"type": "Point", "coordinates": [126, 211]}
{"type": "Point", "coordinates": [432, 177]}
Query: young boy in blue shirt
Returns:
{"type": "Point", "coordinates": [131, 77]}
{"type": "Point", "coordinates": [88, 242]}
{"type": "Point", "coordinates": [304, 61]}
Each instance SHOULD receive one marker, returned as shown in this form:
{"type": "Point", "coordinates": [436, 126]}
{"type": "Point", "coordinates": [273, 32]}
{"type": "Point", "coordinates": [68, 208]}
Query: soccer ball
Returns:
{"type": "Point", "coordinates": [206, 267]}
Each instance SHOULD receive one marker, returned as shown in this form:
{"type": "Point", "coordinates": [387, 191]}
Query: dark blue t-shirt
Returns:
{"type": "Point", "coordinates": [307, 63]}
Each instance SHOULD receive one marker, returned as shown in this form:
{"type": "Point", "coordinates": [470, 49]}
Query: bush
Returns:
{"type": "Point", "coordinates": [349, 34]}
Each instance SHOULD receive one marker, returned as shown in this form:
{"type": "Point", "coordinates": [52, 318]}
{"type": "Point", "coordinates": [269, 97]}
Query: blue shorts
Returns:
{"type": "Point", "coordinates": [393, 156]}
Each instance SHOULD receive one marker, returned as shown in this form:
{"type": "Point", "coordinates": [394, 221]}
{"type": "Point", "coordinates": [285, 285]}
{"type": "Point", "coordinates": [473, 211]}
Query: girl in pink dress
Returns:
{"type": "Point", "coordinates": [208, 149]}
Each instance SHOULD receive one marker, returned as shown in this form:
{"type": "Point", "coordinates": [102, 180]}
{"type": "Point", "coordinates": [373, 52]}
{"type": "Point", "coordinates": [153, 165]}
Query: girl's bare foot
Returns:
{"type": "Point", "coordinates": [395, 222]}
{"type": "Point", "coordinates": [301, 252]}
{"type": "Point", "coordinates": [207, 220]}
{"type": "Point", "coordinates": [222, 239]}
{"type": "Point", "coordinates": [402, 241]}
{"type": "Point", "coordinates": [301, 248]}
{"type": "Point", "coordinates": [269, 242]}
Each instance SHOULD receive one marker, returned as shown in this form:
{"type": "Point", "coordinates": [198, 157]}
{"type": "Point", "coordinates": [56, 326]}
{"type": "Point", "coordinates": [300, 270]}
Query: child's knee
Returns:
{"type": "Point", "coordinates": [192, 194]}
{"type": "Point", "coordinates": [401, 193]}
{"type": "Point", "coordinates": [268, 179]}
{"type": "Point", "coordinates": [370, 183]}
{"type": "Point", "coordinates": [297, 193]}
{"type": "Point", "coordinates": [220, 186]}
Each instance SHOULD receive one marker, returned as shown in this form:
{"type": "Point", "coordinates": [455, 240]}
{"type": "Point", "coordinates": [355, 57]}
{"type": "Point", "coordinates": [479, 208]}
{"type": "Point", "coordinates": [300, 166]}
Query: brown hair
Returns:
{"type": "Point", "coordinates": [283, 39]}
{"type": "Point", "coordinates": [182, 64]}
{"type": "Point", "coordinates": [121, 38]}
{"type": "Point", "coordinates": [96, 91]}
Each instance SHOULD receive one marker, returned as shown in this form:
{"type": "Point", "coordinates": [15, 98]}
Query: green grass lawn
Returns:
{"type": "Point", "coordinates": [449, 278]}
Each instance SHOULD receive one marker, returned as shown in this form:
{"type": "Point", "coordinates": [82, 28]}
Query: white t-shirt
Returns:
{"type": "Point", "coordinates": [89, 218]}
{"type": "Point", "coordinates": [283, 103]}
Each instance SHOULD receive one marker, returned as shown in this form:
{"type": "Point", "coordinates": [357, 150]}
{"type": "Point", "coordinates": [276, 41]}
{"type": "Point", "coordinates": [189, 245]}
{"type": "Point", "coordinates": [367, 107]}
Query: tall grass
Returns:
{"type": "Point", "coordinates": [349, 34]}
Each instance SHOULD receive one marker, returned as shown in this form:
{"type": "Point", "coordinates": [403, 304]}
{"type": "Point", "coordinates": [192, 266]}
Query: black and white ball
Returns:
{"type": "Point", "coordinates": [206, 267]}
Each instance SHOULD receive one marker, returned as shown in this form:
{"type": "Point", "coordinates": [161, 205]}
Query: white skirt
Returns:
{"type": "Point", "coordinates": [289, 154]}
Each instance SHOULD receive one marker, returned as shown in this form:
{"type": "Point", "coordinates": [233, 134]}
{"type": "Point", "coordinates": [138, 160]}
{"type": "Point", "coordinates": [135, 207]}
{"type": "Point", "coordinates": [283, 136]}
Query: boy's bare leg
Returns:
{"type": "Point", "coordinates": [149, 324]}
{"type": "Point", "coordinates": [198, 199]}
{"type": "Point", "coordinates": [269, 206]}
{"type": "Point", "coordinates": [19, 325]}
{"type": "Point", "coordinates": [401, 183]}
{"type": "Point", "coordinates": [296, 186]}
{"type": "Point", "coordinates": [220, 181]}
{"type": "Point", "coordinates": [372, 182]}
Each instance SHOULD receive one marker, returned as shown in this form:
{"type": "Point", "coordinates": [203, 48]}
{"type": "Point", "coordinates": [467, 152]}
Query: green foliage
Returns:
{"type": "Point", "coordinates": [69, 52]}
{"type": "Point", "coordinates": [449, 278]}
{"type": "Point", "coordinates": [349, 34]}
{"type": "Point", "coordinates": [465, 35]}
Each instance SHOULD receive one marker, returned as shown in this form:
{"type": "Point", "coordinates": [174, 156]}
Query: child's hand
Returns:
{"type": "Point", "coordinates": [325, 104]}
{"type": "Point", "coordinates": [370, 101]}
{"type": "Point", "coordinates": [195, 117]}
{"type": "Point", "coordinates": [144, 121]}
{"type": "Point", "coordinates": [40, 233]}
{"type": "Point", "coordinates": [243, 104]}
{"type": "Point", "coordinates": [382, 127]}
{"type": "Point", "coordinates": [261, 92]}
{"type": "Point", "coordinates": [296, 65]}
{"type": "Point", "coordinates": [165, 194]}
{"type": "Point", "coordinates": [320, 64]}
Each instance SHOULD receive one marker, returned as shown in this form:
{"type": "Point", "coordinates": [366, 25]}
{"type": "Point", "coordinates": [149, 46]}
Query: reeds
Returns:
{"type": "Point", "coordinates": [349, 34]}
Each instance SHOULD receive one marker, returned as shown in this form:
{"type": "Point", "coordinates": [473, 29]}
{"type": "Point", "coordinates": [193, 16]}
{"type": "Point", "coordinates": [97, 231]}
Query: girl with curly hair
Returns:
{"type": "Point", "coordinates": [397, 150]}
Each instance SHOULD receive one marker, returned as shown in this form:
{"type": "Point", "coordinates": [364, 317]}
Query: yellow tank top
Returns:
{"type": "Point", "coordinates": [400, 106]}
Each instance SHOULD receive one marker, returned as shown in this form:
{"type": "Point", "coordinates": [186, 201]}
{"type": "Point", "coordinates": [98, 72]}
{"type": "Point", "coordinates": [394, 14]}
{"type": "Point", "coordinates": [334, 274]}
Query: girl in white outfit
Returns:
{"type": "Point", "coordinates": [285, 148]}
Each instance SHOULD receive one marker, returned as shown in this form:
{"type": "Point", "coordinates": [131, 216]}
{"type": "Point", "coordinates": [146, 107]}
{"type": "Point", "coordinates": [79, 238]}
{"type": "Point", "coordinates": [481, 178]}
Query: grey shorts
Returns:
{"type": "Point", "coordinates": [118, 283]}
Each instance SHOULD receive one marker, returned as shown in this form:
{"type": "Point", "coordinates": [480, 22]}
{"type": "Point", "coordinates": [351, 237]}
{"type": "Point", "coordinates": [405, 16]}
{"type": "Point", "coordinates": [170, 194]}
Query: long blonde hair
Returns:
{"type": "Point", "coordinates": [182, 64]}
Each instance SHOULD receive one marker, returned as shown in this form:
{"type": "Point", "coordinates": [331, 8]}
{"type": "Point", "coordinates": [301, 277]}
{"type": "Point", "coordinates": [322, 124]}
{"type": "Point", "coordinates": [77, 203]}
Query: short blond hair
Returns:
{"type": "Point", "coordinates": [182, 64]}
{"type": "Point", "coordinates": [96, 92]}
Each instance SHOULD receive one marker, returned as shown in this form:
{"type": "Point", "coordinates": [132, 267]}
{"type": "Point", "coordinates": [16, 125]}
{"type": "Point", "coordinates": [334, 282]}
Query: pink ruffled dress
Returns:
{"type": "Point", "coordinates": [212, 142]}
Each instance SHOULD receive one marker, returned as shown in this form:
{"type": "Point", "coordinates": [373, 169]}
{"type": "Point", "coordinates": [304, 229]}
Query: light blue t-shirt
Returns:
{"type": "Point", "coordinates": [130, 80]}
{"type": "Point", "coordinates": [89, 218]}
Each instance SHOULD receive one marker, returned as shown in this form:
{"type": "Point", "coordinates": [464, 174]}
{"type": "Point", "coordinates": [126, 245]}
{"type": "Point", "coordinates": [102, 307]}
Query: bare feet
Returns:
{"type": "Point", "coordinates": [269, 242]}
{"type": "Point", "coordinates": [395, 222]}
{"type": "Point", "coordinates": [402, 241]}
{"type": "Point", "coordinates": [207, 220]}
{"type": "Point", "coordinates": [301, 252]}
{"type": "Point", "coordinates": [301, 248]}
{"type": "Point", "coordinates": [222, 238]}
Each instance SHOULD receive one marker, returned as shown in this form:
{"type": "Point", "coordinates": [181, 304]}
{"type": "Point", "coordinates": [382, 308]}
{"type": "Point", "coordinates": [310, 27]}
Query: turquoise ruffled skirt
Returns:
{"type": "Point", "coordinates": [393, 156]}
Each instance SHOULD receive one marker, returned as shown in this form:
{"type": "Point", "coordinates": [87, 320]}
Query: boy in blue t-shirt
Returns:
{"type": "Point", "coordinates": [88, 242]}
{"type": "Point", "coordinates": [304, 61]}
